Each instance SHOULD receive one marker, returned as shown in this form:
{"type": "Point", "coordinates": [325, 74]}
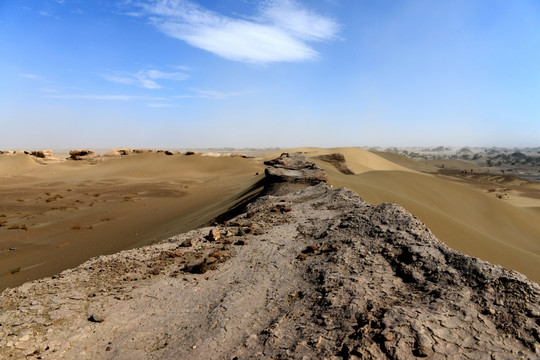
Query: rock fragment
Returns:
{"type": "Point", "coordinates": [196, 267]}
{"type": "Point", "coordinates": [186, 243]}
{"type": "Point", "coordinates": [214, 234]}
{"type": "Point", "coordinates": [96, 317]}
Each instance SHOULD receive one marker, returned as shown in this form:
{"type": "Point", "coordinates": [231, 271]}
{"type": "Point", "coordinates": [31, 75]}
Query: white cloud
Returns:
{"type": "Point", "coordinates": [145, 78]}
{"type": "Point", "coordinates": [279, 32]}
{"type": "Point", "coordinates": [303, 23]}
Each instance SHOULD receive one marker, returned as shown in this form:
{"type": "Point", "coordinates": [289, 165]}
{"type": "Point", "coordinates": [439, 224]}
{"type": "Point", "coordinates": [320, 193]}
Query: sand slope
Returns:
{"type": "Point", "coordinates": [464, 217]}
{"type": "Point", "coordinates": [56, 216]}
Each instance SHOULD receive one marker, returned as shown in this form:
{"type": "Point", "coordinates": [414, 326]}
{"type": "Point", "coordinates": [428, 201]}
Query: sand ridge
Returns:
{"type": "Point", "coordinates": [358, 160]}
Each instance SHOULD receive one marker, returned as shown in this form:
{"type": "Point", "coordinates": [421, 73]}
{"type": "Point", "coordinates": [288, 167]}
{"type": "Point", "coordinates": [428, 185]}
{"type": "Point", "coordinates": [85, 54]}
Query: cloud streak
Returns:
{"type": "Point", "coordinates": [145, 78]}
{"type": "Point", "coordinates": [31, 76]}
{"type": "Point", "coordinates": [101, 97]}
{"type": "Point", "coordinates": [211, 94]}
{"type": "Point", "coordinates": [161, 105]}
{"type": "Point", "coordinates": [280, 31]}
{"type": "Point", "coordinates": [155, 100]}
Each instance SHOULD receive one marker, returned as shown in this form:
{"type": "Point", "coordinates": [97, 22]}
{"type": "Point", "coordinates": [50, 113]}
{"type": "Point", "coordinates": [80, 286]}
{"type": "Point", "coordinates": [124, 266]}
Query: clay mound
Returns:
{"type": "Point", "coordinates": [338, 160]}
{"type": "Point", "coordinates": [317, 274]}
{"type": "Point", "coordinates": [236, 154]}
{"type": "Point", "coordinates": [120, 152]}
{"type": "Point", "coordinates": [143, 151]}
{"type": "Point", "coordinates": [42, 154]}
{"type": "Point", "coordinates": [80, 154]}
{"type": "Point", "coordinates": [290, 172]}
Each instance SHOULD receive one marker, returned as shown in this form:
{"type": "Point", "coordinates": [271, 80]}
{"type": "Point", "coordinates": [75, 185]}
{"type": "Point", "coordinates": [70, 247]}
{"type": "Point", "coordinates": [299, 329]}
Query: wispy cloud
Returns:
{"type": "Point", "coordinates": [210, 94]}
{"type": "Point", "coordinates": [101, 97]}
{"type": "Point", "coordinates": [279, 32]}
{"type": "Point", "coordinates": [31, 76]}
{"type": "Point", "coordinates": [45, 90]}
{"type": "Point", "coordinates": [161, 105]}
{"type": "Point", "coordinates": [145, 78]}
{"type": "Point", "coordinates": [154, 102]}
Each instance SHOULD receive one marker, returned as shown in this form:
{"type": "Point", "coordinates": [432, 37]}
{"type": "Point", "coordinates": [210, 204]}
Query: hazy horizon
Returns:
{"type": "Point", "coordinates": [276, 73]}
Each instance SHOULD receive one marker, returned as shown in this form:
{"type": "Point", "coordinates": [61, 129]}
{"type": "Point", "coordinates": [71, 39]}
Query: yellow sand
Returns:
{"type": "Point", "coordinates": [73, 210]}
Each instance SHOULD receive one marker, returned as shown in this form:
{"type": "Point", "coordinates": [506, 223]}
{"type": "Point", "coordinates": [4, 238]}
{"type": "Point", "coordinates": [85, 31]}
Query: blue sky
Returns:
{"type": "Point", "coordinates": [245, 73]}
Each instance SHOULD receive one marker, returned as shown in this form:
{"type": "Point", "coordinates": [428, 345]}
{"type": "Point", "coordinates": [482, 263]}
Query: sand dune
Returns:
{"type": "Point", "coordinates": [358, 160]}
{"type": "Point", "coordinates": [464, 217]}
{"type": "Point", "coordinates": [56, 216]}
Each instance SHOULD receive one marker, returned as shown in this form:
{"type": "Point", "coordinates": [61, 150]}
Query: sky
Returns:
{"type": "Point", "coordinates": [268, 73]}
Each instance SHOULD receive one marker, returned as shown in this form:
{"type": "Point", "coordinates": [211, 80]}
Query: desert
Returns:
{"type": "Point", "coordinates": [272, 179]}
{"type": "Point", "coordinates": [242, 281]}
{"type": "Point", "coordinates": [60, 212]}
{"type": "Point", "coordinates": [57, 212]}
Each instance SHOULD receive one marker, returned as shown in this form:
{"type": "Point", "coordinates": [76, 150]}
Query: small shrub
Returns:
{"type": "Point", "coordinates": [18, 227]}
{"type": "Point", "coordinates": [54, 198]}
